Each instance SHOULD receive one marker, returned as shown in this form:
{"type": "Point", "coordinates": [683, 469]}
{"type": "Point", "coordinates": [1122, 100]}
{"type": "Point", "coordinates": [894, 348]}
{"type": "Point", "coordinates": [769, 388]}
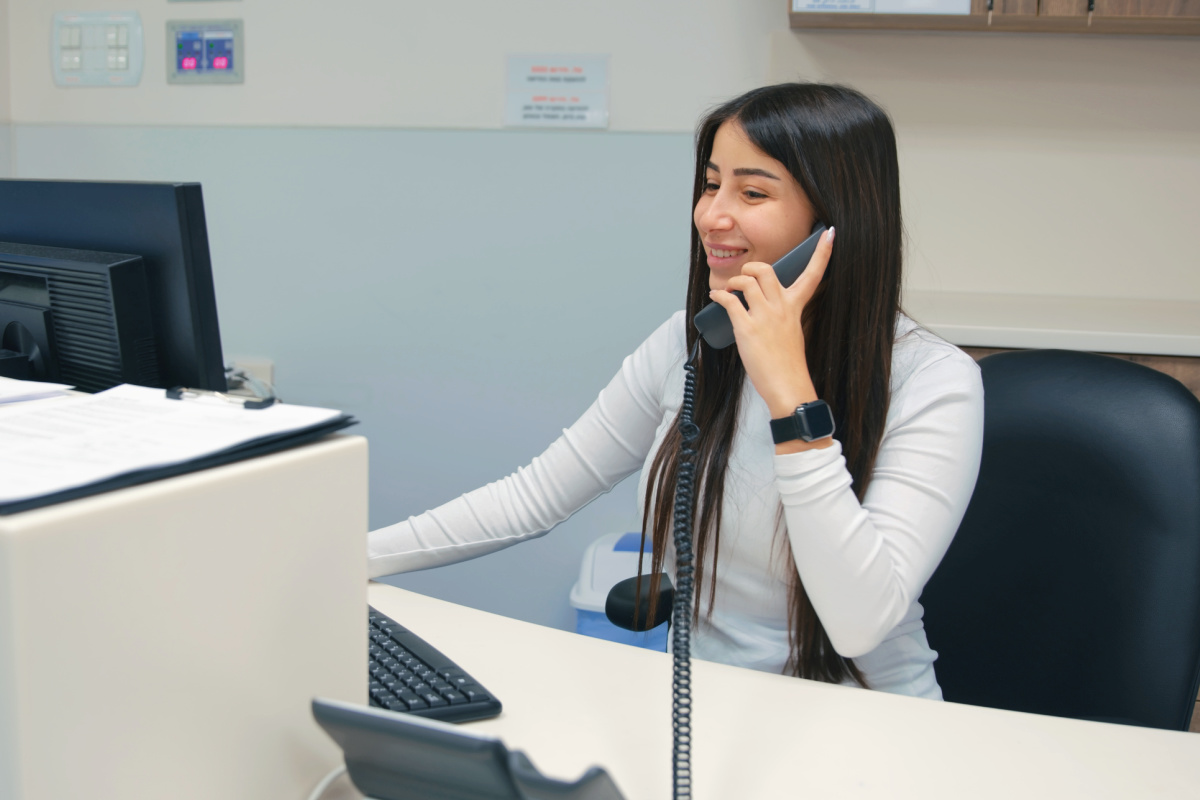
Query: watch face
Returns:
{"type": "Point", "coordinates": [819, 418]}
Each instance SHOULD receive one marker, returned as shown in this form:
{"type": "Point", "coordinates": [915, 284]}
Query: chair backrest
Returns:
{"type": "Point", "coordinates": [1072, 587]}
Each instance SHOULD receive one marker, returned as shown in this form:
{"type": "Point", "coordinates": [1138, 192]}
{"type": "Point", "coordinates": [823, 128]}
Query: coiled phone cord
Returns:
{"type": "Point", "coordinates": [681, 608]}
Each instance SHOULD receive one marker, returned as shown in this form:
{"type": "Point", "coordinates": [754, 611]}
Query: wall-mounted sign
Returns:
{"type": "Point", "coordinates": [922, 6]}
{"type": "Point", "coordinates": [833, 6]}
{"type": "Point", "coordinates": [557, 91]}
{"type": "Point", "coordinates": [883, 6]}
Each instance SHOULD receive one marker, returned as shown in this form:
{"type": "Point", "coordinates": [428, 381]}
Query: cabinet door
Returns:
{"type": "Point", "coordinates": [1177, 9]}
{"type": "Point", "coordinates": [1009, 8]}
{"type": "Point", "coordinates": [1063, 8]}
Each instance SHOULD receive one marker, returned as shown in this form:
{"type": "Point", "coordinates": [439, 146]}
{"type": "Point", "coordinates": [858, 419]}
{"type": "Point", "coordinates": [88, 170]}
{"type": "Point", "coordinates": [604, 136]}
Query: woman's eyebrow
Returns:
{"type": "Point", "coordinates": [762, 173]}
{"type": "Point", "coordinates": [745, 171]}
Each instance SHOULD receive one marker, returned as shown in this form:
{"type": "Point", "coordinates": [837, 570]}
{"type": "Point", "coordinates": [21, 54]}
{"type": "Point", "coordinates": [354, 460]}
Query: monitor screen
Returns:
{"type": "Point", "coordinates": [163, 224]}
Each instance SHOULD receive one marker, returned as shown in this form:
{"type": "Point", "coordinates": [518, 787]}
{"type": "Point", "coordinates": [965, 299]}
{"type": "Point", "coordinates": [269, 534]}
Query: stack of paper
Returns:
{"type": "Point", "coordinates": [15, 391]}
{"type": "Point", "coordinates": [84, 444]}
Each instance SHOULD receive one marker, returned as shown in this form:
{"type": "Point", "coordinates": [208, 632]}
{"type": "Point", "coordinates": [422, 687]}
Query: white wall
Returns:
{"type": "Point", "coordinates": [1024, 156]}
{"type": "Point", "coordinates": [414, 63]}
{"type": "Point", "coordinates": [5, 93]}
{"type": "Point", "coordinates": [1034, 164]}
{"type": "Point", "coordinates": [399, 255]}
{"type": "Point", "coordinates": [465, 294]}
{"type": "Point", "coordinates": [5, 68]}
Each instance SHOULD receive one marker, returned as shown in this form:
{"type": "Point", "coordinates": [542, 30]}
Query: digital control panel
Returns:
{"type": "Point", "coordinates": [98, 48]}
{"type": "Point", "coordinates": [205, 51]}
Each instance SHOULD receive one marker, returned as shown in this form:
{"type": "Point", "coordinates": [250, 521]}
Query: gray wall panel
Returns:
{"type": "Point", "coordinates": [447, 288]}
{"type": "Point", "coordinates": [6, 154]}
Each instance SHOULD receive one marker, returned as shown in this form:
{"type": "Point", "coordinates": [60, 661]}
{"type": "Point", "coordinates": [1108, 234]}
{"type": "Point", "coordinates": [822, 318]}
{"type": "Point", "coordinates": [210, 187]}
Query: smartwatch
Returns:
{"type": "Point", "coordinates": [809, 422]}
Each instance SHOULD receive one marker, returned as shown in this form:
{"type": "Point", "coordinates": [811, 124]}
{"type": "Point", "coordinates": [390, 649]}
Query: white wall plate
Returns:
{"type": "Point", "coordinates": [97, 48]}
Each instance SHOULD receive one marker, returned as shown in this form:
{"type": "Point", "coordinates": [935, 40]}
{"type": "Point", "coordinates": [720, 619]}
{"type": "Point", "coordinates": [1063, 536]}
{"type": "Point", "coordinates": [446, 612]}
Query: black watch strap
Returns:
{"type": "Point", "coordinates": [810, 422]}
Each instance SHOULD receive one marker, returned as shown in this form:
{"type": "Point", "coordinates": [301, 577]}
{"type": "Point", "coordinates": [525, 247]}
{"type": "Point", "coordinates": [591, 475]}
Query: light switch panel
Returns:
{"type": "Point", "coordinates": [97, 48]}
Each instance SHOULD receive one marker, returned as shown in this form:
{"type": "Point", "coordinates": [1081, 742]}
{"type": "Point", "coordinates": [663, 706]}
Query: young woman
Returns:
{"type": "Point", "coordinates": [810, 555]}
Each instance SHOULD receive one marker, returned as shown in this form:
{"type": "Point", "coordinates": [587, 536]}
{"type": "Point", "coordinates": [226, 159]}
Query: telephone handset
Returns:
{"type": "Point", "coordinates": [713, 320]}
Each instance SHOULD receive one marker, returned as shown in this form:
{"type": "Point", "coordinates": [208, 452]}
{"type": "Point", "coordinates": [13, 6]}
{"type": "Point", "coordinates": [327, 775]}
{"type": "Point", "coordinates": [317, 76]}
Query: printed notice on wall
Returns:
{"type": "Point", "coordinates": [833, 6]}
{"type": "Point", "coordinates": [922, 6]}
{"type": "Point", "coordinates": [883, 6]}
{"type": "Point", "coordinates": [557, 91]}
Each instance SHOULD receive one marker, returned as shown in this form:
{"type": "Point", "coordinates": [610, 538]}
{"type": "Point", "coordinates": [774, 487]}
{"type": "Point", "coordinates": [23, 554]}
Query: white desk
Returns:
{"type": "Point", "coordinates": [764, 736]}
{"type": "Point", "coordinates": [164, 640]}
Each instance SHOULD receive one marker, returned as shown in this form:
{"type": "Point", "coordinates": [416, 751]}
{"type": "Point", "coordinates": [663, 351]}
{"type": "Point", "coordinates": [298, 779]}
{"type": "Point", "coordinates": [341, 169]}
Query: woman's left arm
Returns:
{"type": "Point", "coordinates": [863, 564]}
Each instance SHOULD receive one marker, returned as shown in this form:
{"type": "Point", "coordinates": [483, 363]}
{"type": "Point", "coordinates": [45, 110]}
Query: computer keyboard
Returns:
{"type": "Point", "coordinates": [411, 676]}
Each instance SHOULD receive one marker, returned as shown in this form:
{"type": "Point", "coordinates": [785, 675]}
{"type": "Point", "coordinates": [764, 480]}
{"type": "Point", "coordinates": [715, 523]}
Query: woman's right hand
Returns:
{"type": "Point", "coordinates": [769, 329]}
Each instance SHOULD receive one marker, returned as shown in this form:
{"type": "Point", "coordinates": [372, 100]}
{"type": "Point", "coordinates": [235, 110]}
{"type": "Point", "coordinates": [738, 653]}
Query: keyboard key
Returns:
{"type": "Point", "coordinates": [434, 699]}
{"type": "Point", "coordinates": [454, 698]}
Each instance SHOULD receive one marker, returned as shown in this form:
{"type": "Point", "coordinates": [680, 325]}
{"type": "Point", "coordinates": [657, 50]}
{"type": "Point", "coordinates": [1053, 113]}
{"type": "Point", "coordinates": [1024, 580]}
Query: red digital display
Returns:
{"type": "Point", "coordinates": [221, 62]}
{"type": "Point", "coordinates": [189, 63]}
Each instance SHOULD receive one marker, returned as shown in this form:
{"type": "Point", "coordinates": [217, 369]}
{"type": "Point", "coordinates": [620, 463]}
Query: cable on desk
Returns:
{"type": "Point", "coordinates": [240, 380]}
{"type": "Point", "coordinates": [681, 609]}
{"type": "Point", "coordinates": [321, 787]}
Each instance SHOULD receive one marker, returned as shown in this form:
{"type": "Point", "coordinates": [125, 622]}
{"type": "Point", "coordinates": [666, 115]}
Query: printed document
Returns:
{"type": "Point", "coordinates": [50, 446]}
{"type": "Point", "coordinates": [15, 391]}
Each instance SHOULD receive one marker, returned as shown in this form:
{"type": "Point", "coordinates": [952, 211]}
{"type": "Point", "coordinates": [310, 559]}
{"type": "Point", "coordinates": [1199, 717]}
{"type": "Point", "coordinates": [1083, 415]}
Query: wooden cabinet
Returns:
{"type": "Point", "coordinates": [1166, 17]}
{"type": "Point", "coordinates": [1166, 10]}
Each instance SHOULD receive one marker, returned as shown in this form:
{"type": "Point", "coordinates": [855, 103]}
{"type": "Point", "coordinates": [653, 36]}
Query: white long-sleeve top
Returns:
{"type": "Point", "coordinates": [863, 565]}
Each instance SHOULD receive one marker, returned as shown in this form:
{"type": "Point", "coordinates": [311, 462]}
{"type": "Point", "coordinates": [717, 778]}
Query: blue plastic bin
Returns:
{"type": "Point", "coordinates": [608, 560]}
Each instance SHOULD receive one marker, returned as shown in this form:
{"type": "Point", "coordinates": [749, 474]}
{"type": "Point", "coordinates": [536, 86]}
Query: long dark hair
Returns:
{"type": "Point", "coordinates": [840, 148]}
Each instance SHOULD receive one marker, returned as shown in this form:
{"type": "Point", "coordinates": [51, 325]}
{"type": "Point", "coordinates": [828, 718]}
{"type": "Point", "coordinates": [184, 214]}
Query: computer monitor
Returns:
{"type": "Point", "coordinates": [161, 223]}
{"type": "Point", "coordinates": [75, 316]}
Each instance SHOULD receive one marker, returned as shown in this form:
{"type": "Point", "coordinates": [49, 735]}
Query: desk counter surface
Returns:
{"type": "Point", "coordinates": [571, 702]}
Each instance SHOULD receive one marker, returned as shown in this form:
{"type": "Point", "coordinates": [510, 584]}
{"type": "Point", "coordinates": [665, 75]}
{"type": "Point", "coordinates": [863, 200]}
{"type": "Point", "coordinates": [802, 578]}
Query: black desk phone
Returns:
{"type": "Point", "coordinates": [713, 320]}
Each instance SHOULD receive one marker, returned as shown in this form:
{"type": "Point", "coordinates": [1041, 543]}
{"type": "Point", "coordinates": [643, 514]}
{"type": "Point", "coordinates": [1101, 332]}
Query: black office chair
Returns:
{"type": "Point", "coordinates": [1072, 587]}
